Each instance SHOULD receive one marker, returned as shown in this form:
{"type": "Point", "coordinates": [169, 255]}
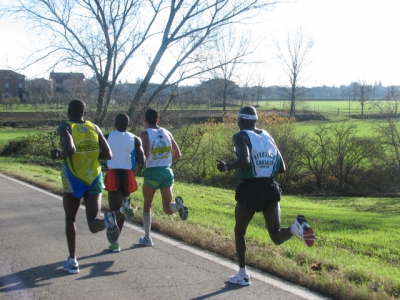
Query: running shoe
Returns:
{"type": "Point", "coordinates": [71, 266]}
{"type": "Point", "coordinates": [239, 279]}
{"type": "Point", "coordinates": [114, 248]}
{"type": "Point", "coordinates": [145, 241]}
{"type": "Point", "coordinates": [182, 209]}
{"type": "Point", "coordinates": [126, 209]}
{"type": "Point", "coordinates": [112, 230]}
{"type": "Point", "coordinates": [301, 228]}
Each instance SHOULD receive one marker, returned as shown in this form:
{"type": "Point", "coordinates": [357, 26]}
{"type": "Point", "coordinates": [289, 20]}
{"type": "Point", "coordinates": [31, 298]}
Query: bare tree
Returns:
{"type": "Point", "coordinates": [246, 79]}
{"type": "Point", "coordinates": [316, 153]}
{"type": "Point", "coordinates": [188, 32]}
{"type": "Point", "coordinates": [229, 55]}
{"type": "Point", "coordinates": [38, 91]}
{"type": "Point", "coordinates": [364, 93]}
{"type": "Point", "coordinates": [294, 56]}
{"type": "Point", "coordinates": [99, 35]}
{"type": "Point", "coordinates": [389, 137]}
{"type": "Point", "coordinates": [389, 107]}
{"type": "Point", "coordinates": [349, 153]}
{"type": "Point", "coordinates": [106, 35]}
{"type": "Point", "coordinates": [258, 89]}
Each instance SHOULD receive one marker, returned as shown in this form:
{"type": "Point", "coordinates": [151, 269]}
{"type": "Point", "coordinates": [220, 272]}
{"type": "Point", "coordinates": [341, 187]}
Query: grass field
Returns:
{"type": "Point", "coordinates": [365, 128]}
{"type": "Point", "coordinates": [7, 134]}
{"type": "Point", "coordinates": [356, 254]}
{"type": "Point", "coordinates": [334, 107]}
{"type": "Point", "coordinates": [323, 106]}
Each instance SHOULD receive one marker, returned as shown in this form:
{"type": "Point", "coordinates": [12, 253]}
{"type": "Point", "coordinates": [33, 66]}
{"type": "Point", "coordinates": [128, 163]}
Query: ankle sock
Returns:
{"type": "Point", "coordinates": [242, 271]}
{"type": "Point", "coordinates": [173, 207]}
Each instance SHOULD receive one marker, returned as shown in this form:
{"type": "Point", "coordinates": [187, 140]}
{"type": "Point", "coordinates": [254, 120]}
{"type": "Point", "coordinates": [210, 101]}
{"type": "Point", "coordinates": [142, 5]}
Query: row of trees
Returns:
{"type": "Point", "coordinates": [217, 92]}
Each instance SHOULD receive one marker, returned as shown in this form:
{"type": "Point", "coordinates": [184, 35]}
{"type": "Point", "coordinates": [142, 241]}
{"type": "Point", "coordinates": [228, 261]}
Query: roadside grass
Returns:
{"type": "Point", "coordinates": [365, 128]}
{"type": "Point", "coordinates": [7, 133]}
{"type": "Point", "coordinates": [356, 254]}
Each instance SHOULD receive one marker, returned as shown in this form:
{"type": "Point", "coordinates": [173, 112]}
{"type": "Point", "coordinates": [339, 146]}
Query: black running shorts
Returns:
{"type": "Point", "coordinates": [256, 193]}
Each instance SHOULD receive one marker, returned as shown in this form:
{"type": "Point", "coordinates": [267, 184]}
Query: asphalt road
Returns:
{"type": "Point", "coordinates": [33, 248]}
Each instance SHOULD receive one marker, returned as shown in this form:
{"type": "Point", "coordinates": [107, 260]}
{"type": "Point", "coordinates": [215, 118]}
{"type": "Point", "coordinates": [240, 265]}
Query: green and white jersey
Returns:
{"type": "Point", "coordinates": [161, 147]}
{"type": "Point", "coordinates": [265, 158]}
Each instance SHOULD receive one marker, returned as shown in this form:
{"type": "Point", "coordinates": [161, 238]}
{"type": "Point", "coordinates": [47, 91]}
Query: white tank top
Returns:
{"type": "Point", "coordinates": [122, 145]}
{"type": "Point", "coordinates": [265, 157]}
{"type": "Point", "coordinates": [160, 148]}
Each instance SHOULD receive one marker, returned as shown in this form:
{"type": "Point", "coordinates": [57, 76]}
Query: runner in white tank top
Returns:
{"type": "Point", "coordinates": [161, 150]}
{"type": "Point", "coordinates": [258, 160]}
{"type": "Point", "coordinates": [120, 180]}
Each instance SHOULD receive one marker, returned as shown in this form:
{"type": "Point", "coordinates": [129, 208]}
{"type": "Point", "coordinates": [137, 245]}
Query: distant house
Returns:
{"type": "Point", "coordinates": [66, 83]}
{"type": "Point", "coordinates": [12, 84]}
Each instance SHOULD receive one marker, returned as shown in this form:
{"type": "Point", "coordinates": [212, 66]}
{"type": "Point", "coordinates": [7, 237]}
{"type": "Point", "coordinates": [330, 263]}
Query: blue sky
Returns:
{"type": "Point", "coordinates": [354, 40]}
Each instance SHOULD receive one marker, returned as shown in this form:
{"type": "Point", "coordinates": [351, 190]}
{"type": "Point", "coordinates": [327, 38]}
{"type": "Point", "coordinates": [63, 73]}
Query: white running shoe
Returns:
{"type": "Point", "coordinates": [145, 241]}
{"type": "Point", "coordinates": [301, 228]}
{"type": "Point", "coordinates": [70, 266]}
{"type": "Point", "coordinates": [239, 279]}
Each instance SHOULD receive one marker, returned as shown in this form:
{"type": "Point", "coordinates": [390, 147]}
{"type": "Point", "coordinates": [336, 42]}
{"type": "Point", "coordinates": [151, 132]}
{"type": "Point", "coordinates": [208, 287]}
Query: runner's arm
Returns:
{"type": "Point", "coordinates": [242, 153]}
{"type": "Point", "coordinates": [105, 151]}
{"type": "Point", "coordinates": [139, 151]}
{"type": "Point", "coordinates": [176, 152]}
{"type": "Point", "coordinates": [144, 136]}
{"type": "Point", "coordinates": [68, 146]}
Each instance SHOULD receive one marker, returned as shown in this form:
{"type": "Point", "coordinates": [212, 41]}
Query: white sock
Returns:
{"type": "Point", "coordinates": [147, 224]}
{"type": "Point", "coordinates": [72, 259]}
{"type": "Point", "coordinates": [293, 229]}
{"type": "Point", "coordinates": [173, 207]}
{"type": "Point", "coordinates": [242, 271]}
{"type": "Point", "coordinates": [127, 202]}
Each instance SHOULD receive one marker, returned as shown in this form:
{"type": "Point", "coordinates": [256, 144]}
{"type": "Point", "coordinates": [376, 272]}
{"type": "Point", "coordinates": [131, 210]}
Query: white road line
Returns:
{"type": "Point", "coordinates": [269, 279]}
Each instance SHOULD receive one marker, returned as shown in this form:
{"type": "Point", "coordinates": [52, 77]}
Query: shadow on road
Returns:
{"type": "Point", "coordinates": [37, 276]}
{"type": "Point", "coordinates": [228, 287]}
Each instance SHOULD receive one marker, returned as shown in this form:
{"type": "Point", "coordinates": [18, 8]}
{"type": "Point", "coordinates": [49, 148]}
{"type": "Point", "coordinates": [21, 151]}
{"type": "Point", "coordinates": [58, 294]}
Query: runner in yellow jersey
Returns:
{"type": "Point", "coordinates": [83, 146]}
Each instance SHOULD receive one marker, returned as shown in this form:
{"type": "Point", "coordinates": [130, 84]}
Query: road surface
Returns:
{"type": "Point", "coordinates": [33, 248]}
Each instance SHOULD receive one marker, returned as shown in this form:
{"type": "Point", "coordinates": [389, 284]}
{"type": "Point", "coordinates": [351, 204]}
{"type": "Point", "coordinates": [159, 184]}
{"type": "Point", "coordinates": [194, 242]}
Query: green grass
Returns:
{"type": "Point", "coordinates": [323, 106]}
{"type": "Point", "coordinates": [34, 108]}
{"type": "Point", "coordinates": [340, 107]}
{"type": "Point", "coordinates": [7, 134]}
{"type": "Point", "coordinates": [356, 254]}
{"type": "Point", "coordinates": [365, 128]}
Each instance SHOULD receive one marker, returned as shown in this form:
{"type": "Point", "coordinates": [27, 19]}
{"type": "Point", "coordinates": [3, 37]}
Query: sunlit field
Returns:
{"type": "Point", "coordinates": [324, 106]}
{"type": "Point", "coordinates": [355, 256]}
{"type": "Point", "coordinates": [356, 252]}
{"type": "Point", "coordinates": [7, 134]}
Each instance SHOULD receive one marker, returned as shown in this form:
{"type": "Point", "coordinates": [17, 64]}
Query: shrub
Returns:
{"type": "Point", "coordinates": [38, 144]}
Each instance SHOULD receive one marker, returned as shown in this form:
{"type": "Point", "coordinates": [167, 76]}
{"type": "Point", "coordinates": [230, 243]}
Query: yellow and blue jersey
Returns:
{"type": "Point", "coordinates": [82, 170]}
